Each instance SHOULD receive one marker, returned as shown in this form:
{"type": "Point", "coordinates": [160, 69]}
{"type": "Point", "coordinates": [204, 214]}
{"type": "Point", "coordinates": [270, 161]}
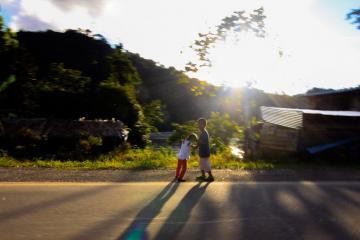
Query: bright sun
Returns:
{"type": "Point", "coordinates": [247, 60]}
{"type": "Point", "coordinates": [297, 53]}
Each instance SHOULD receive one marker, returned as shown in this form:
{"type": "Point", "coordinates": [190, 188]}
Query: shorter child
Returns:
{"type": "Point", "coordinates": [184, 156]}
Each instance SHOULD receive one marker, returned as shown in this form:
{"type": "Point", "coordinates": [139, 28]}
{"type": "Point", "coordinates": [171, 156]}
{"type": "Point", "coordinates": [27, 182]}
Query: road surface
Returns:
{"type": "Point", "coordinates": [160, 210]}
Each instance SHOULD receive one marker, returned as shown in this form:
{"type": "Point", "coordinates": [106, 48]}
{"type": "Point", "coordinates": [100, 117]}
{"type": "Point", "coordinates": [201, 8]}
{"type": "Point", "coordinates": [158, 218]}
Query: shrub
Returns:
{"type": "Point", "coordinates": [88, 142]}
{"type": "Point", "coordinates": [221, 129]}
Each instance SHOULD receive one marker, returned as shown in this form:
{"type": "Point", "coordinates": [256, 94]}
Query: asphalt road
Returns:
{"type": "Point", "coordinates": [160, 210]}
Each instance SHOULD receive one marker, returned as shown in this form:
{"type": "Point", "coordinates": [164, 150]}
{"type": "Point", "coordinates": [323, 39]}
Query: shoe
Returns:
{"type": "Point", "coordinates": [181, 180]}
{"type": "Point", "coordinates": [200, 178]}
{"type": "Point", "coordinates": [210, 179]}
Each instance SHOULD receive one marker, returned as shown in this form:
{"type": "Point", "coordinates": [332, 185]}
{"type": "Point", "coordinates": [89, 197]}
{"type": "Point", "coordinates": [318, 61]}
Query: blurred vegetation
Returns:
{"type": "Point", "coordinates": [165, 158]}
{"type": "Point", "coordinates": [147, 158]}
{"type": "Point", "coordinates": [221, 130]}
{"type": "Point", "coordinates": [354, 16]}
{"type": "Point", "coordinates": [231, 25]}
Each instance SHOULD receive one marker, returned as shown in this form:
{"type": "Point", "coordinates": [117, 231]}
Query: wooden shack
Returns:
{"type": "Point", "coordinates": [342, 99]}
{"type": "Point", "coordinates": [112, 132]}
{"type": "Point", "coordinates": [305, 130]}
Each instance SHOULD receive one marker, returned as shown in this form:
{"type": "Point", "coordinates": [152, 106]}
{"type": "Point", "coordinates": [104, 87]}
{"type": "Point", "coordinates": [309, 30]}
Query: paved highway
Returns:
{"type": "Point", "coordinates": [160, 210]}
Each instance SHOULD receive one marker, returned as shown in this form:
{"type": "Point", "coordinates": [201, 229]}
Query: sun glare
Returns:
{"type": "Point", "coordinates": [298, 53]}
{"type": "Point", "coordinates": [247, 60]}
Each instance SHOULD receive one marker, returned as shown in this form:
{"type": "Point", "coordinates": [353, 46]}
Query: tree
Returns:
{"type": "Point", "coordinates": [63, 79]}
{"type": "Point", "coordinates": [122, 69]}
{"type": "Point", "coordinates": [176, 91]}
{"type": "Point", "coordinates": [8, 47]}
{"type": "Point", "coordinates": [154, 114]}
{"type": "Point", "coordinates": [61, 92]}
{"type": "Point", "coordinates": [230, 25]}
{"type": "Point", "coordinates": [72, 48]}
{"type": "Point", "coordinates": [354, 16]}
{"type": "Point", "coordinates": [220, 126]}
{"type": "Point", "coordinates": [17, 75]}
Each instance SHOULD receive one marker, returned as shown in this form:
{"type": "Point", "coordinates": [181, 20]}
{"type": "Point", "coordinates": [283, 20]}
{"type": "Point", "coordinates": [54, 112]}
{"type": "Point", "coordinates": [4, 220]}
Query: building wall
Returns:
{"type": "Point", "coordinates": [275, 137]}
{"type": "Point", "coordinates": [320, 129]}
{"type": "Point", "coordinates": [336, 101]}
{"type": "Point", "coordinates": [355, 103]}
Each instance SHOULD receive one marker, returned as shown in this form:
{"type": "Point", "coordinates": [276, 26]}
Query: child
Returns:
{"type": "Point", "coordinates": [184, 155]}
{"type": "Point", "coordinates": [204, 152]}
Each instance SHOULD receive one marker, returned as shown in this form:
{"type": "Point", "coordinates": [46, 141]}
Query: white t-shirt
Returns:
{"type": "Point", "coordinates": [184, 152]}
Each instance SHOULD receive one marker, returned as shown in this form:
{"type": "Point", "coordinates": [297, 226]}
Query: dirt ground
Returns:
{"type": "Point", "coordinates": [61, 175]}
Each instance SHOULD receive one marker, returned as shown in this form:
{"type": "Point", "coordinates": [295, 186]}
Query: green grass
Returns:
{"type": "Point", "coordinates": [134, 159]}
{"type": "Point", "coordinates": [166, 159]}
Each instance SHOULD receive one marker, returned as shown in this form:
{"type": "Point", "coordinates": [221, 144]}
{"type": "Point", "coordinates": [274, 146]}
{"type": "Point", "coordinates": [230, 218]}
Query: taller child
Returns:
{"type": "Point", "coordinates": [204, 152]}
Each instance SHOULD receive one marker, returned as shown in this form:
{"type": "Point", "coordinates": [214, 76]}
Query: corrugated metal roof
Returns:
{"type": "Point", "coordinates": [332, 113]}
{"type": "Point", "coordinates": [286, 117]}
{"type": "Point", "coordinates": [332, 91]}
{"type": "Point", "coordinates": [293, 117]}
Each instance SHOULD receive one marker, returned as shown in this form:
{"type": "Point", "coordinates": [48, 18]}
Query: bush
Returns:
{"type": "Point", "coordinates": [27, 136]}
{"type": "Point", "coordinates": [221, 129]}
{"type": "Point", "coordinates": [88, 142]}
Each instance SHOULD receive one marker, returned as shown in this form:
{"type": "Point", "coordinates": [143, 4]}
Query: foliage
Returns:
{"type": "Point", "coordinates": [112, 100]}
{"type": "Point", "coordinates": [154, 114]}
{"type": "Point", "coordinates": [61, 79]}
{"type": "Point", "coordinates": [233, 24]}
{"type": "Point", "coordinates": [28, 139]}
{"type": "Point", "coordinates": [8, 48]}
{"type": "Point", "coordinates": [88, 142]}
{"type": "Point", "coordinates": [7, 36]}
{"type": "Point", "coordinates": [182, 131]}
{"type": "Point", "coordinates": [74, 49]}
{"type": "Point", "coordinates": [319, 90]}
{"type": "Point", "coordinates": [146, 158]}
{"type": "Point", "coordinates": [71, 75]}
{"type": "Point", "coordinates": [354, 15]}
{"type": "Point", "coordinates": [166, 159]}
{"type": "Point", "coordinates": [122, 69]}
{"type": "Point", "coordinates": [221, 129]}
{"type": "Point", "coordinates": [11, 79]}
{"type": "Point", "coordinates": [175, 90]}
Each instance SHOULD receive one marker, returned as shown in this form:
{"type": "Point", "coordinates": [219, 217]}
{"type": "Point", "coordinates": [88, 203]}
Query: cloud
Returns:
{"type": "Point", "coordinates": [6, 2]}
{"type": "Point", "coordinates": [31, 23]}
{"type": "Point", "coordinates": [40, 14]}
{"type": "Point", "coordinates": [94, 7]}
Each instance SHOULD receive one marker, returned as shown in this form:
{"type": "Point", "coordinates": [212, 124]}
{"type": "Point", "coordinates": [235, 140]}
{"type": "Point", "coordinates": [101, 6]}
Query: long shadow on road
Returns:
{"type": "Point", "coordinates": [178, 218]}
{"type": "Point", "coordinates": [138, 228]}
{"type": "Point", "coordinates": [293, 211]}
{"type": "Point", "coordinates": [40, 206]}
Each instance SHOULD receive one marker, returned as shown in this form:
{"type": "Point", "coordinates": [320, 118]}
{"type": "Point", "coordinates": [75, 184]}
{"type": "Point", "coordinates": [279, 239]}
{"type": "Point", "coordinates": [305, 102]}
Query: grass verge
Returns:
{"type": "Point", "coordinates": [166, 158]}
{"type": "Point", "coordinates": [148, 158]}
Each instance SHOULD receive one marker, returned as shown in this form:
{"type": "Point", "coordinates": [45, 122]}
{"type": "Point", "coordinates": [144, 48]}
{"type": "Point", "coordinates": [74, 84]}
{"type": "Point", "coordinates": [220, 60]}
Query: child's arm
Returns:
{"type": "Point", "coordinates": [197, 144]}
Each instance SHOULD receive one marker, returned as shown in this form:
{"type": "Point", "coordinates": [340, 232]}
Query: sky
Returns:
{"type": "Point", "coordinates": [320, 47]}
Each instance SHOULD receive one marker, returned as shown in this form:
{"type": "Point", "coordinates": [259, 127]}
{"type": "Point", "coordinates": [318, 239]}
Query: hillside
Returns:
{"type": "Point", "coordinates": [75, 74]}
